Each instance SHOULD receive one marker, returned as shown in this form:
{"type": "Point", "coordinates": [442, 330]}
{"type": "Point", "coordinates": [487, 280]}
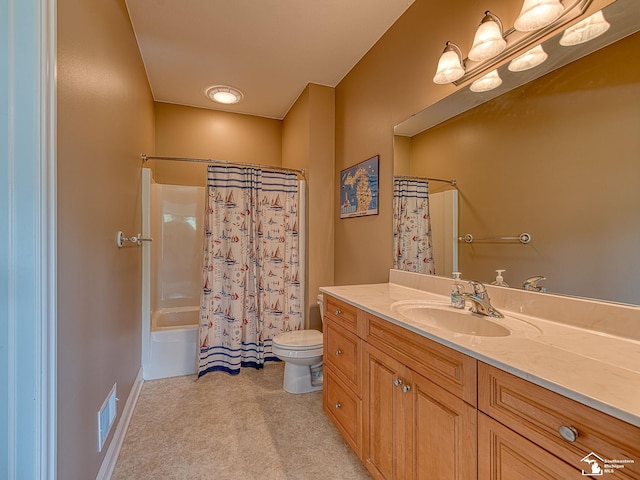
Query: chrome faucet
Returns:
{"type": "Point", "coordinates": [531, 284]}
{"type": "Point", "coordinates": [480, 301]}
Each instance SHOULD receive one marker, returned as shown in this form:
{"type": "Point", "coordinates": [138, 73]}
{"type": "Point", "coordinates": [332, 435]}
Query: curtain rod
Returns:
{"type": "Point", "coordinates": [453, 182]}
{"type": "Point", "coordinates": [145, 157]}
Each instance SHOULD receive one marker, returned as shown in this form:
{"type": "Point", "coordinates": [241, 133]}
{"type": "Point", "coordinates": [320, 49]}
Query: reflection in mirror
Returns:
{"type": "Point", "coordinates": [556, 157]}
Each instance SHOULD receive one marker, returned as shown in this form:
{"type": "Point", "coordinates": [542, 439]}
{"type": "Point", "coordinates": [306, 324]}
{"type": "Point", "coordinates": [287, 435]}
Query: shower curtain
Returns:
{"type": "Point", "coordinates": [412, 247]}
{"type": "Point", "coordinates": [251, 278]}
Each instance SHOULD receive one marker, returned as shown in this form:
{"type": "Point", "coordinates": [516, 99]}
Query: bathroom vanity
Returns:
{"type": "Point", "coordinates": [553, 397]}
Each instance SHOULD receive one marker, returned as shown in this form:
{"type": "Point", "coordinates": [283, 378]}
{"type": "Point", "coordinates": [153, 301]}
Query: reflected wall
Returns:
{"type": "Point", "coordinates": [556, 158]}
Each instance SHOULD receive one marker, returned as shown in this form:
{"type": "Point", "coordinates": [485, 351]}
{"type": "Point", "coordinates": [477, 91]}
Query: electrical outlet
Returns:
{"type": "Point", "coordinates": [106, 417]}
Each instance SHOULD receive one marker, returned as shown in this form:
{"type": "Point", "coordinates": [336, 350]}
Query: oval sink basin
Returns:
{"type": "Point", "coordinates": [445, 317]}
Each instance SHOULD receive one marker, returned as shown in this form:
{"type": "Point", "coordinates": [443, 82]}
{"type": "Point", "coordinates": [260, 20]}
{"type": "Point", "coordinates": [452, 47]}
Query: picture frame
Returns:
{"type": "Point", "coordinates": [359, 189]}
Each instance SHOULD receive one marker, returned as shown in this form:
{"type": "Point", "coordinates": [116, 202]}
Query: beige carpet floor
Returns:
{"type": "Point", "coordinates": [241, 427]}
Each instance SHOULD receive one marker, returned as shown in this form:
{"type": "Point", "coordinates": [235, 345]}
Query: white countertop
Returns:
{"type": "Point", "coordinates": [594, 368]}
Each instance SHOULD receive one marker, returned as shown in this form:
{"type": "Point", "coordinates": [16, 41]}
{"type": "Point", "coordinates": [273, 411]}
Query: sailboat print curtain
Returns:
{"type": "Point", "coordinates": [251, 279]}
{"type": "Point", "coordinates": [412, 247]}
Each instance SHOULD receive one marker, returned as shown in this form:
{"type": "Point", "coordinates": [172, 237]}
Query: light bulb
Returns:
{"type": "Point", "coordinates": [490, 81]}
{"type": "Point", "coordinates": [450, 66]}
{"type": "Point", "coordinates": [529, 59]}
{"type": "Point", "coordinates": [536, 14]}
{"type": "Point", "coordinates": [488, 41]}
{"type": "Point", "coordinates": [585, 30]}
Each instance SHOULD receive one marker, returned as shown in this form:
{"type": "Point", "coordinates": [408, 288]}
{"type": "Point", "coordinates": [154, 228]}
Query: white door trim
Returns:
{"type": "Point", "coordinates": [28, 239]}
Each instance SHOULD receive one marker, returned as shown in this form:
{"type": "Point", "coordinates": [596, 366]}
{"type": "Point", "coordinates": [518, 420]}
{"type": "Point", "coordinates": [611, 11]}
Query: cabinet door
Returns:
{"type": "Point", "coordinates": [505, 455]}
{"type": "Point", "coordinates": [444, 432]}
{"type": "Point", "coordinates": [386, 451]}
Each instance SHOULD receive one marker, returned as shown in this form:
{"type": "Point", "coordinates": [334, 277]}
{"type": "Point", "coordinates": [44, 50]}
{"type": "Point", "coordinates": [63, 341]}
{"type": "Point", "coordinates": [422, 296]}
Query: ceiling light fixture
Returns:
{"type": "Point", "coordinates": [490, 81]}
{"type": "Point", "coordinates": [536, 14]}
{"type": "Point", "coordinates": [488, 41]}
{"type": "Point", "coordinates": [588, 29]}
{"type": "Point", "coordinates": [529, 59]}
{"type": "Point", "coordinates": [450, 65]}
{"type": "Point", "coordinates": [224, 94]}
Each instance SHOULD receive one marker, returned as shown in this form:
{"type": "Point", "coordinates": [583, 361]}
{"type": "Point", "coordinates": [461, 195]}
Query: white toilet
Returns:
{"type": "Point", "coordinates": [302, 353]}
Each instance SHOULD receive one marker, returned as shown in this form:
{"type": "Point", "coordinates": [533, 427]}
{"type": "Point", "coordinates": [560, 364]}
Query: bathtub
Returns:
{"type": "Point", "coordinates": [174, 338]}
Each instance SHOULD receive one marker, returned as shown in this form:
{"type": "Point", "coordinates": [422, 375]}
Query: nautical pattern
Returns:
{"type": "Point", "coordinates": [251, 285]}
{"type": "Point", "coordinates": [412, 226]}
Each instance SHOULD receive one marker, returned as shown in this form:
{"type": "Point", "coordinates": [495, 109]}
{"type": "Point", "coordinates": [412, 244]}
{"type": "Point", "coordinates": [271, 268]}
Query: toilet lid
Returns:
{"type": "Point", "coordinates": [300, 339]}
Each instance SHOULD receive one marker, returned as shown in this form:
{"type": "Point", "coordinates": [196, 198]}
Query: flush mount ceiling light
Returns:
{"type": "Point", "coordinates": [224, 94]}
{"type": "Point", "coordinates": [536, 14]}
{"type": "Point", "coordinates": [588, 29]}
{"type": "Point", "coordinates": [450, 65]}
{"type": "Point", "coordinates": [488, 41]}
{"type": "Point", "coordinates": [529, 59]}
{"type": "Point", "coordinates": [490, 81]}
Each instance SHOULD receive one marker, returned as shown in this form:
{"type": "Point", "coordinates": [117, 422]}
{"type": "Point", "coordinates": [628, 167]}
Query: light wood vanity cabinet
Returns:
{"type": "Point", "coordinates": [538, 416]}
{"type": "Point", "coordinates": [412, 408]}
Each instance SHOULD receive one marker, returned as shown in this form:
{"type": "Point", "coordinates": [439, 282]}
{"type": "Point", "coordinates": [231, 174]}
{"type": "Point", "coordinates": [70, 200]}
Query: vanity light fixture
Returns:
{"type": "Point", "coordinates": [490, 81]}
{"type": "Point", "coordinates": [492, 45]}
{"type": "Point", "coordinates": [536, 14]}
{"type": "Point", "coordinates": [589, 28]}
{"type": "Point", "coordinates": [488, 41]}
{"type": "Point", "coordinates": [224, 94]}
{"type": "Point", "coordinates": [450, 65]}
{"type": "Point", "coordinates": [529, 59]}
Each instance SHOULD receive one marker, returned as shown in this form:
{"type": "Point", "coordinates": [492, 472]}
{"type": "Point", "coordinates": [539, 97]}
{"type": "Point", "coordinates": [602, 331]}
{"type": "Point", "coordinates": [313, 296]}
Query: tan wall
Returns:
{"type": "Point", "coordinates": [104, 120]}
{"type": "Point", "coordinates": [557, 158]}
{"type": "Point", "coordinates": [390, 83]}
{"type": "Point", "coordinates": [308, 143]}
{"type": "Point", "coordinates": [183, 131]}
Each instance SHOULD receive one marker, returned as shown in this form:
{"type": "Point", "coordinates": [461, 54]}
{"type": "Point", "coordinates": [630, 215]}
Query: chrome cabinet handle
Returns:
{"type": "Point", "coordinates": [338, 352]}
{"type": "Point", "coordinates": [338, 405]}
{"type": "Point", "coordinates": [397, 382]}
{"type": "Point", "coordinates": [569, 433]}
{"type": "Point", "coordinates": [338, 311]}
{"type": "Point", "coordinates": [406, 388]}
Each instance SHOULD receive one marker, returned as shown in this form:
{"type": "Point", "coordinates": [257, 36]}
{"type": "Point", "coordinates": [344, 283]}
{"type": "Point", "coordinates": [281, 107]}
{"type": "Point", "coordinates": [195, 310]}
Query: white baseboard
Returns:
{"type": "Point", "coordinates": [111, 457]}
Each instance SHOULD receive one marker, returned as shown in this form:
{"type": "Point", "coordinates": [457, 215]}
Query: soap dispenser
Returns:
{"type": "Point", "coordinates": [499, 281]}
{"type": "Point", "coordinates": [457, 289]}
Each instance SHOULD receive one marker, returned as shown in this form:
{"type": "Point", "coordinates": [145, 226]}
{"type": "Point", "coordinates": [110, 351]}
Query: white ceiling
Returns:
{"type": "Point", "coordinates": [268, 49]}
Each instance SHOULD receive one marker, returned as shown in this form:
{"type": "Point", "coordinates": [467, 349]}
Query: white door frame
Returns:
{"type": "Point", "coordinates": [27, 240]}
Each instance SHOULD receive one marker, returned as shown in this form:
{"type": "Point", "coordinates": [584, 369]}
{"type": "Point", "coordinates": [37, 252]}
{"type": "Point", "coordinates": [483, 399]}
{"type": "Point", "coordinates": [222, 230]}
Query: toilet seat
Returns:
{"type": "Point", "coordinates": [298, 344]}
{"type": "Point", "coordinates": [301, 340]}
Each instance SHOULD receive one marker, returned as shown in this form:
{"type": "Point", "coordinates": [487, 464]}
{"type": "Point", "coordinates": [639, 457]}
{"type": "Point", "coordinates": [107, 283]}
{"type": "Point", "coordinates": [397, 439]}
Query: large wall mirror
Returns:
{"type": "Point", "coordinates": [554, 153]}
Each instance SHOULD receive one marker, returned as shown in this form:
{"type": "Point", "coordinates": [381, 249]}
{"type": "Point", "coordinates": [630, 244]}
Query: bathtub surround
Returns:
{"type": "Point", "coordinates": [298, 442]}
{"type": "Point", "coordinates": [173, 216]}
{"type": "Point", "coordinates": [253, 267]}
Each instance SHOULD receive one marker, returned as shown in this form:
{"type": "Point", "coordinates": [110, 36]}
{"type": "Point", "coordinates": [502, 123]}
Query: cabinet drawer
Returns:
{"type": "Point", "coordinates": [343, 313]}
{"type": "Point", "coordinates": [538, 414]}
{"type": "Point", "coordinates": [342, 352]}
{"type": "Point", "coordinates": [505, 455]}
{"type": "Point", "coordinates": [345, 410]}
{"type": "Point", "coordinates": [452, 370]}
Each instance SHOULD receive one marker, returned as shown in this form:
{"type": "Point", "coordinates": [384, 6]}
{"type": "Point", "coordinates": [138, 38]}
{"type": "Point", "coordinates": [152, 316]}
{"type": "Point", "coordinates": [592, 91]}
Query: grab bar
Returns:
{"type": "Point", "coordinates": [137, 239]}
{"type": "Point", "coordinates": [522, 238]}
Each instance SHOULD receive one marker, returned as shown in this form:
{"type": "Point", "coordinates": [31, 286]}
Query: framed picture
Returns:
{"type": "Point", "coordinates": [359, 189]}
